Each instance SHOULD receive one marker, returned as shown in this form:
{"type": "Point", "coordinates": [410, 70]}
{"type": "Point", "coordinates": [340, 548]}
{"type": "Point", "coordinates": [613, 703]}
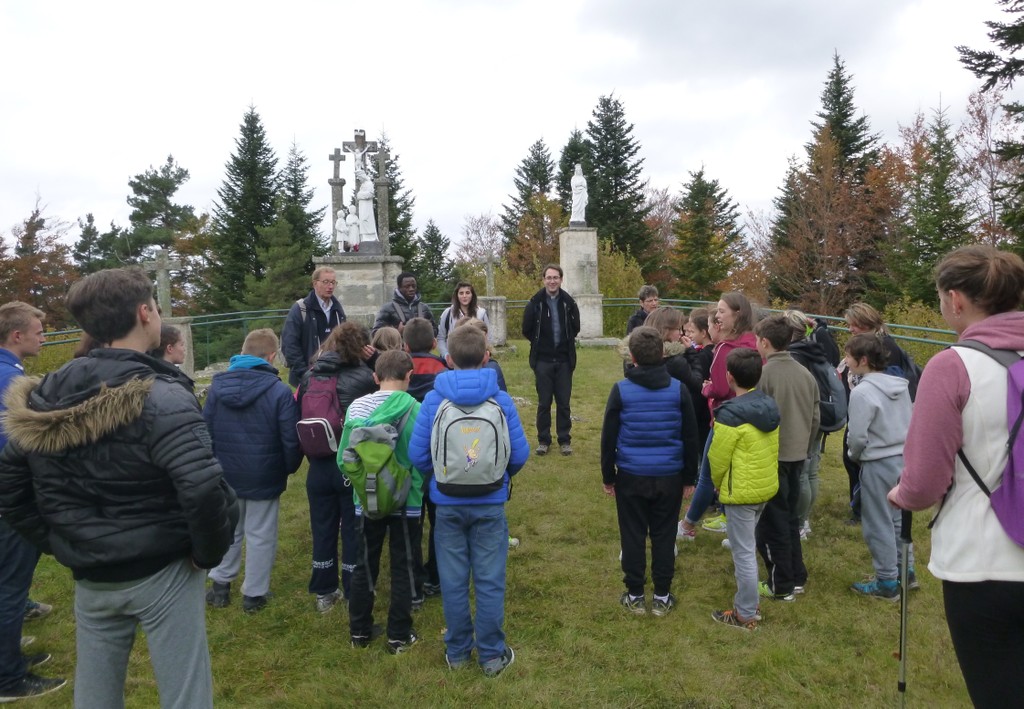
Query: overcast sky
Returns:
{"type": "Point", "coordinates": [94, 93]}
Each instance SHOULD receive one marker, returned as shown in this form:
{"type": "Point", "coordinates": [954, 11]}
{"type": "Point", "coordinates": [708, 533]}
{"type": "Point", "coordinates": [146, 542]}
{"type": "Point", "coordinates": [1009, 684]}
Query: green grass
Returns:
{"type": "Point", "coordinates": [574, 644]}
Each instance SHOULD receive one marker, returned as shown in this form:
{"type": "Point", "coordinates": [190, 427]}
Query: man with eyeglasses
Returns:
{"type": "Point", "coordinates": [309, 322]}
{"type": "Point", "coordinates": [648, 296]}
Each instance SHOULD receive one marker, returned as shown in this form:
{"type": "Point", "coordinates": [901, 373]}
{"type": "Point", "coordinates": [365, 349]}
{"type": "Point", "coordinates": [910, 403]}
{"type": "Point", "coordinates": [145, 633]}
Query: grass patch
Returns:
{"type": "Point", "coordinates": [574, 645]}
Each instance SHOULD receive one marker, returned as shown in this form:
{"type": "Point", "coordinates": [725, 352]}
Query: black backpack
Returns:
{"type": "Point", "coordinates": [909, 371]}
{"type": "Point", "coordinates": [831, 396]}
{"type": "Point", "coordinates": [823, 336]}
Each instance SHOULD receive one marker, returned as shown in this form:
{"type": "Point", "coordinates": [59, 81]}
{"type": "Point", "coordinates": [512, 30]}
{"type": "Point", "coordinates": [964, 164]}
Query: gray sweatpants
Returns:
{"type": "Point", "coordinates": [880, 521]}
{"type": "Point", "coordinates": [257, 527]}
{"type": "Point", "coordinates": [742, 520]}
{"type": "Point", "coordinates": [170, 607]}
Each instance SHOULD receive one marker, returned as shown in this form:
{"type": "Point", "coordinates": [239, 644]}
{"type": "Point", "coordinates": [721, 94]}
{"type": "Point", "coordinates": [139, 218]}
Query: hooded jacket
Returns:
{"type": "Point", "coordinates": [251, 415]}
{"type": "Point", "coordinates": [109, 468]}
{"type": "Point", "coordinates": [466, 386]}
{"type": "Point", "coordinates": [537, 328]}
{"type": "Point", "coordinates": [400, 310]}
{"type": "Point", "coordinates": [879, 416]}
{"type": "Point", "coordinates": [744, 454]}
{"type": "Point", "coordinates": [719, 390]}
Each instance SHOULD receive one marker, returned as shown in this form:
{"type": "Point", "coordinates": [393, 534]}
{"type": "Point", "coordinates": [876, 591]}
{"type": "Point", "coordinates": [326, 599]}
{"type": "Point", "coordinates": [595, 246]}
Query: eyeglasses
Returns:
{"type": "Point", "coordinates": [328, 283]}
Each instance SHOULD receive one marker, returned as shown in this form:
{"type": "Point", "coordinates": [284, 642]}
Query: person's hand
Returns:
{"type": "Point", "coordinates": [609, 490]}
{"type": "Point", "coordinates": [368, 351]}
{"type": "Point", "coordinates": [688, 491]}
{"type": "Point", "coordinates": [686, 342]}
{"type": "Point", "coordinates": [891, 497]}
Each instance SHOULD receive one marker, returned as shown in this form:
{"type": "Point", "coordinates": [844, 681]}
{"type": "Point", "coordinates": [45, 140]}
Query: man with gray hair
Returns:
{"type": "Point", "coordinates": [309, 322]}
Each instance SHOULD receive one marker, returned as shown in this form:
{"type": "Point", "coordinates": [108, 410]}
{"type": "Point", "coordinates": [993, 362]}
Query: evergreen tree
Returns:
{"type": "Point", "coordinates": [536, 241]}
{"type": "Point", "coordinates": [709, 243]}
{"type": "Point", "coordinates": [41, 270]}
{"type": "Point", "coordinates": [616, 193]}
{"type": "Point", "coordinates": [402, 235]}
{"type": "Point", "coordinates": [245, 204]}
{"type": "Point", "coordinates": [155, 217]}
{"type": "Point", "coordinates": [295, 197]}
{"type": "Point", "coordinates": [86, 252]}
{"type": "Point", "coordinates": [575, 151]}
{"type": "Point", "coordinates": [285, 257]}
{"type": "Point", "coordinates": [999, 69]}
{"type": "Point", "coordinates": [433, 267]}
{"type": "Point", "coordinates": [535, 175]}
{"type": "Point", "coordinates": [851, 133]}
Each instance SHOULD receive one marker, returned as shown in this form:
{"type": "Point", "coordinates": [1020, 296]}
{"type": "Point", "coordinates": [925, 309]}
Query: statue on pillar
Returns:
{"type": "Point", "coordinates": [364, 200]}
{"type": "Point", "coordinates": [579, 196]}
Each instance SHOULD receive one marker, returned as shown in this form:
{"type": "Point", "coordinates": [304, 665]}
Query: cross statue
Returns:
{"type": "Point", "coordinates": [490, 274]}
{"type": "Point", "coordinates": [163, 267]}
{"type": "Point", "coordinates": [589, 267]}
{"type": "Point", "coordinates": [336, 157]}
{"type": "Point", "coordinates": [359, 147]}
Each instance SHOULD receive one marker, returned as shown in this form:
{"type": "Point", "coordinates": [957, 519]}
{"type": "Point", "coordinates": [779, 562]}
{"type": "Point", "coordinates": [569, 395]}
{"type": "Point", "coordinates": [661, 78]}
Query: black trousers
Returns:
{"type": "Point", "coordinates": [778, 533]}
{"type": "Point", "coordinates": [427, 572]}
{"type": "Point", "coordinates": [986, 624]}
{"type": "Point", "coordinates": [554, 381]}
{"type": "Point", "coordinates": [853, 473]}
{"type": "Point", "coordinates": [331, 507]}
{"type": "Point", "coordinates": [648, 506]}
{"type": "Point", "coordinates": [403, 536]}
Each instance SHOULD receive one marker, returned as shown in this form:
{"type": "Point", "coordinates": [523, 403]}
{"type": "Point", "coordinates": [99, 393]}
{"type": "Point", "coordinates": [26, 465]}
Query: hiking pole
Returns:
{"type": "Point", "coordinates": [906, 539]}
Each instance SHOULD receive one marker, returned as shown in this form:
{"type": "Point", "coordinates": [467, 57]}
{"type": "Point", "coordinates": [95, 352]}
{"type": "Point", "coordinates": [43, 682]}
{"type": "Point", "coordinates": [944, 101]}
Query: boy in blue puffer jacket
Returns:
{"type": "Point", "coordinates": [648, 453]}
{"type": "Point", "coordinates": [251, 415]}
{"type": "Point", "coordinates": [472, 532]}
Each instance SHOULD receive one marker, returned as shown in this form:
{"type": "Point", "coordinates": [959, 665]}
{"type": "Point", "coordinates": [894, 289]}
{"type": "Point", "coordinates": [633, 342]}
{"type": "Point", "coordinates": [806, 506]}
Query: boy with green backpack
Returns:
{"type": "Point", "coordinates": [374, 456]}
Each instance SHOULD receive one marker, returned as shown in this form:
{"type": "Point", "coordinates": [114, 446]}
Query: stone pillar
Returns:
{"type": "Point", "coordinates": [365, 282]}
{"type": "Point", "coordinates": [497, 316]}
{"type": "Point", "coordinates": [578, 259]}
{"type": "Point", "coordinates": [185, 325]}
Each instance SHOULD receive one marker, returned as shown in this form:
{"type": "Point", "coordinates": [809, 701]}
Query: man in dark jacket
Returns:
{"type": "Point", "coordinates": [648, 296]}
{"type": "Point", "coordinates": [149, 508]}
{"type": "Point", "coordinates": [251, 415]}
{"type": "Point", "coordinates": [309, 322]}
{"type": "Point", "coordinates": [404, 306]}
{"type": "Point", "coordinates": [21, 335]}
{"type": "Point", "coordinates": [551, 323]}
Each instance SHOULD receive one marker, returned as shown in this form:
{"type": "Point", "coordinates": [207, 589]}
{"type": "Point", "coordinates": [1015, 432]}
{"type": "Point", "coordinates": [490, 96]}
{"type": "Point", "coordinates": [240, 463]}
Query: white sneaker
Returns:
{"type": "Point", "coordinates": [676, 548]}
{"type": "Point", "coordinates": [685, 535]}
{"type": "Point", "coordinates": [805, 530]}
{"type": "Point", "coordinates": [726, 544]}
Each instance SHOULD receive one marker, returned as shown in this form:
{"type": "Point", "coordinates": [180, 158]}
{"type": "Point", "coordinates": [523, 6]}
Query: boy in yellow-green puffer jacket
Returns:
{"type": "Point", "coordinates": [744, 459]}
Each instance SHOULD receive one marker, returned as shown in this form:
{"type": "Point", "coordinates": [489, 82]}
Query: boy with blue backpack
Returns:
{"type": "Point", "coordinates": [469, 434]}
{"type": "Point", "coordinates": [374, 457]}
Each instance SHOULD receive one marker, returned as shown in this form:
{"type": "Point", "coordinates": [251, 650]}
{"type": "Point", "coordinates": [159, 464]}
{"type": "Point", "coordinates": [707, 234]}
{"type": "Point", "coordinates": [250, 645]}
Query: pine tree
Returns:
{"type": "Point", "coordinates": [86, 252]}
{"type": "Point", "coordinates": [616, 191]}
{"type": "Point", "coordinates": [295, 196]}
{"type": "Point", "coordinates": [41, 270]}
{"type": "Point", "coordinates": [851, 133]}
{"type": "Point", "coordinates": [402, 235]}
{"type": "Point", "coordinates": [535, 175]}
{"type": "Point", "coordinates": [433, 268]}
{"type": "Point", "coordinates": [286, 257]}
{"type": "Point", "coordinates": [575, 152]}
{"type": "Point", "coordinates": [245, 204]}
{"type": "Point", "coordinates": [709, 243]}
{"type": "Point", "coordinates": [155, 217]}
{"type": "Point", "coordinates": [1000, 69]}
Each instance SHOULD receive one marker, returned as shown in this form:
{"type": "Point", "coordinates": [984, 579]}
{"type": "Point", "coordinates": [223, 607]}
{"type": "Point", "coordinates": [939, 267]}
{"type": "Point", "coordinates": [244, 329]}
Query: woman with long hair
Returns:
{"type": "Point", "coordinates": [342, 356]}
{"type": "Point", "coordinates": [463, 305]}
{"type": "Point", "coordinates": [734, 319]}
{"type": "Point", "coordinates": [960, 421]}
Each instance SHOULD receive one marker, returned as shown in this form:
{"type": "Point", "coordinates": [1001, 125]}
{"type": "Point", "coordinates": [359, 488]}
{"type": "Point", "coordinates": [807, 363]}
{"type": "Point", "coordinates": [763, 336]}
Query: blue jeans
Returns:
{"type": "Point", "coordinates": [705, 491]}
{"type": "Point", "coordinates": [17, 564]}
{"type": "Point", "coordinates": [473, 539]}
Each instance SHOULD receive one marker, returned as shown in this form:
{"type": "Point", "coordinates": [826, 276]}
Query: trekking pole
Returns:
{"type": "Point", "coordinates": [906, 539]}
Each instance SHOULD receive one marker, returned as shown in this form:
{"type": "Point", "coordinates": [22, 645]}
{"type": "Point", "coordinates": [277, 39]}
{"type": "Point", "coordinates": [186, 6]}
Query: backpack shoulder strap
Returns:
{"type": "Point", "coordinates": [401, 313]}
{"type": "Point", "coordinates": [1007, 358]}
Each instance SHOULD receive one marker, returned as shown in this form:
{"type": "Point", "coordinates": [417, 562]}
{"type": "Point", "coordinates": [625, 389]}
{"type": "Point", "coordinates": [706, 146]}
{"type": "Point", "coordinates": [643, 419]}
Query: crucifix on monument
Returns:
{"type": "Point", "coordinates": [163, 266]}
{"type": "Point", "coordinates": [337, 184]}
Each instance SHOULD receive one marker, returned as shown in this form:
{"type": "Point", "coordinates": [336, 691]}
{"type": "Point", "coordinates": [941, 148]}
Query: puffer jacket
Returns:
{"type": "Point", "coordinates": [109, 468]}
{"type": "Point", "coordinates": [744, 454]}
{"type": "Point", "coordinates": [400, 311]}
{"type": "Point", "coordinates": [251, 415]}
{"type": "Point", "coordinates": [354, 380]}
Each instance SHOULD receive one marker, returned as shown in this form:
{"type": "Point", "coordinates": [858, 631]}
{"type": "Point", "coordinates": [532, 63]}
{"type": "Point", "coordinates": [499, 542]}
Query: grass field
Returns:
{"type": "Point", "coordinates": [575, 647]}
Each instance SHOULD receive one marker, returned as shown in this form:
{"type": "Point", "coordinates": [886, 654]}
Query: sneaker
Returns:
{"type": "Point", "coordinates": [715, 524]}
{"type": "Point", "coordinates": [513, 542]}
{"type": "Point", "coordinates": [566, 449]}
{"type": "Point", "coordinates": [798, 590]}
{"type": "Point", "coordinates": [726, 544]}
{"type": "Point", "coordinates": [254, 604]}
{"type": "Point", "coordinates": [397, 647]}
{"type": "Point", "coordinates": [675, 550]}
{"type": "Point", "coordinates": [765, 591]}
{"type": "Point", "coordinates": [662, 608]}
{"type": "Point", "coordinates": [730, 618]}
{"type": "Point", "coordinates": [218, 595]}
{"type": "Point", "coordinates": [685, 535]}
{"type": "Point", "coordinates": [886, 590]}
{"type": "Point", "coordinates": [417, 603]}
{"type": "Point", "coordinates": [805, 530]}
{"type": "Point", "coordinates": [325, 602]}
{"type": "Point", "coordinates": [633, 604]}
{"type": "Point", "coordinates": [33, 661]}
{"type": "Point", "coordinates": [27, 640]}
{"type": "Point", "coordinates": [32, 686]}
{"type": "Point", "coordinates": [912, 583]}
{"type": "Point", "coordinates": [35, 610]}
{"type": "Point", "coordinates": [431, 589]}
{"type": "Point", "coordinates": [360, 641]}
{"type": "Point", "coordinates": [493, 668]}
{"type": "Point", "coordinates": [543, 448]}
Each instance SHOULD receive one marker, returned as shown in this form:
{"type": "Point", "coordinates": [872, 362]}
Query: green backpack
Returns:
{"type": "Point", "coordinates": [380, 482]}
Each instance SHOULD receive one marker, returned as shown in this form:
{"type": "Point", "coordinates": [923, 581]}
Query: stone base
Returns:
{"type": "Point", "coordinates": [365, 281]}
{"type": "Point", "coordinates": [497, 315]}
{"type": "Point", "coordinates": [591, 316]}
{"type": "Point", "coordinates": [577, 255]}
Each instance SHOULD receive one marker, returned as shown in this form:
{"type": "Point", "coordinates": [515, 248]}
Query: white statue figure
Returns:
{"type": "Point", "coordinates": [364, 198]}
{"type": "Point", "coordinates": [579, 196]}
{"type": "Point", "coordinates": [352, 229]}
{"type": "Point", "coordinates": [340, 229]}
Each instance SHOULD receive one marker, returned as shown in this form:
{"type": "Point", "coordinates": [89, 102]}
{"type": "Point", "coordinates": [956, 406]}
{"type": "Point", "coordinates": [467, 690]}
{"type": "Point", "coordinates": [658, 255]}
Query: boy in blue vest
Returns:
{"type": "Point", "coordinates": [649, 452]}
{"type": "Point", "coordinates": [472, 532]}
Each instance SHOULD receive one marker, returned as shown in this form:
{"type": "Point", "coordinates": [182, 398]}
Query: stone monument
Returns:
{"type": "Point", "coordinates": [162, 265]}
{"type": "Point", "coordinates": [578, 257]}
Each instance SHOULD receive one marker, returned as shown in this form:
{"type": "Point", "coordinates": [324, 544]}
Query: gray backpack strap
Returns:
{"type": "Point", "coordinates": [401, 313]}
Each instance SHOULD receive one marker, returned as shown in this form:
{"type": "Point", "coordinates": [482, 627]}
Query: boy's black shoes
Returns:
{"type": "Point", "coordinates": [360, 641]}
{"type": "Point", "coordinates": [254, 604]}
{"type": "Point", "coordinates": [660, 607]}
{"type": "Point", "coordinates": [397, 647]}
{"type": "Point", "coordinates": [218, 595]}
{"type": "Point", "coordinates": [32, 686]}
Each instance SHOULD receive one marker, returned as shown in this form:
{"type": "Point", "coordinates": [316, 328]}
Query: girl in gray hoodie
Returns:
{"type": "Point", "coordinates": [879, 416]}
